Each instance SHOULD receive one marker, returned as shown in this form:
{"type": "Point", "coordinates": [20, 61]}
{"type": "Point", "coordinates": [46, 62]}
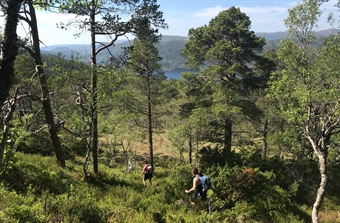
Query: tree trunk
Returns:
{"type": "Point", "coordinates": [190, 149]}
{"type": "Point", "coordinates": [6, 122]}
{"type": "Point", "coordinates": [227, 136]}
{"type": "Point", "coordinates": [9, 48]}
{"type": "Point", "coordinates": [321, 150]}
{"type": "Point", "coordinates": [264, 135]}
{"type": "Point", "coordinates": [94, 109]}
{"type": "Point", "coordinates": [321, 189]}
{"type": "Point", "coordinates": [46, 101]}
{"type": "Point", "coordinates": [150, 120]}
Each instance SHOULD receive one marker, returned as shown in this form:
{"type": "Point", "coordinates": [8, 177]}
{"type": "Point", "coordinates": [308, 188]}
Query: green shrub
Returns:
{"type": "Point", "coordinates": [73, 147]}
{"type": "Point", "coordinates": [26, 213]}
{"type": "Point", "coordinates": [38, 190]}
{"type": "Point", "coordinates": [80, 204]}
{"type": "Point", "coordinates": [20, 208]}
{"type": "Point", "coordinates": [37, 172]}
{"type": "Point", "coordinates": [179, 180]}
{"type": "Point", "coordinates": [37, 144]}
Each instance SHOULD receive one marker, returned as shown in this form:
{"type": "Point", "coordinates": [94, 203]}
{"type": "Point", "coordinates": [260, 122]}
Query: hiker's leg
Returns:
{"type": "Point", "coordinates": [193, 197]}
{"type": "Point", "coordinates": [144, 179]}
{"type": "Point", "coordinates": [147, 176]}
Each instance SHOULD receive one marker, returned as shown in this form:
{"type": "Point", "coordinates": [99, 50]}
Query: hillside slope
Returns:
{"type": "Point", "coordinates": [169, 47]}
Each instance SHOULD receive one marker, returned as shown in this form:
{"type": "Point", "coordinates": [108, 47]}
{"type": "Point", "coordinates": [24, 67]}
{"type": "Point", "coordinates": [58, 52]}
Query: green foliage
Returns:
{"type": "Point", "coordinates": [249, 194]}
{"type": "Point", "coordinates": [20, 208]}
{"type": "Point", "coordinates": [219, 41]}
{"type": "Point", "coordinates": [37, 190]}
{"type": "Point", "coordinates": [24, 213]}
{"type": "Point", "coordinates": [334, 187]}
{"type": "Point", "coordinates": [179, 180]}
{"type": "Point", "coordinates": [178, 137]}
{"type": "Point", "coordinates": [233, 74]}
{"type": "Point", "coordinates": [192, 111]}
{"type": "Point", "coordinates": [307, 87]}
{"type": "Point", "coordinates": [73, 147]}
{"type": "Point", "coordinates": [80, 204]}
{"type": "Point", "coordinates": [36, 144]}
{"type": "Point", "coordinates": [36, 171]}
{"type": "Point", "coordinates": [212, 156]}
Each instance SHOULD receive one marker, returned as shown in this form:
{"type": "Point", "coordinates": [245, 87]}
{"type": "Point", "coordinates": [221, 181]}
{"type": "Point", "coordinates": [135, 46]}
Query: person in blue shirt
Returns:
{"type": "Point", "coordinates": [196, 186]}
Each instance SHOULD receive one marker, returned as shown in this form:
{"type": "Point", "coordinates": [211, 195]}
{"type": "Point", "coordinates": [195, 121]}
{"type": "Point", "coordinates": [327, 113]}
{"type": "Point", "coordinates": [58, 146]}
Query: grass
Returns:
{"type": "Point", "coordinates": [36, 189]}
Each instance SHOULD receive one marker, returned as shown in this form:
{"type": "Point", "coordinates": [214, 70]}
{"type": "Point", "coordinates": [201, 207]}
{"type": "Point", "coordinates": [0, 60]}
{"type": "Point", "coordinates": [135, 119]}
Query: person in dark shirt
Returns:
{"type": "Point", "coordinates": [147, 171]}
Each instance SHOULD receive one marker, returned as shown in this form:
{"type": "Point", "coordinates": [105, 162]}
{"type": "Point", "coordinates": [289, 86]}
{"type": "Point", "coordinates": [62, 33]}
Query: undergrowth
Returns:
{"type": "Point", "coordinates": [36, 189]}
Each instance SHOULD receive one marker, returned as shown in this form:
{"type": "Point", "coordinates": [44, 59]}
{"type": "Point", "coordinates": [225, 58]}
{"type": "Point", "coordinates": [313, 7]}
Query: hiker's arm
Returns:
{"type": "Point", "coordinates": [143, 171]}
{"type": "Point", "coordinates": [194, 183]}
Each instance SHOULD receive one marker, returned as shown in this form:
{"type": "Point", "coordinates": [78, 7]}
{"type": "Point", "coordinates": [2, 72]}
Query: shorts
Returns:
{"type": "Point", "coordinates": [148, 176]}
{"type": "Point", "coordinates": [198, 194]}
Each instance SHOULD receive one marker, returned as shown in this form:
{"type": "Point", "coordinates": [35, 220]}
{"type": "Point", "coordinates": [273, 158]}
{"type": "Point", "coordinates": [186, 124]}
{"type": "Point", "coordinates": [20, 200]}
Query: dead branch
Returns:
{"type": "Point", "coordinates": [7, 119]}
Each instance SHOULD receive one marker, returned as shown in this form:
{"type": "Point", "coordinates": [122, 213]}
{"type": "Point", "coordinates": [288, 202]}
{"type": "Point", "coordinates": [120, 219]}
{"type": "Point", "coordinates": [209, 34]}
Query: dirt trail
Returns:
{"type": "Point", "coordinates": [141, 149]}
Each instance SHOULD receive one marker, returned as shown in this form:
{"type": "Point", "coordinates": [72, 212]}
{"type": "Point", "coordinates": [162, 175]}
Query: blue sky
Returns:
{"type": "Point", "coordinates": [181, 15]}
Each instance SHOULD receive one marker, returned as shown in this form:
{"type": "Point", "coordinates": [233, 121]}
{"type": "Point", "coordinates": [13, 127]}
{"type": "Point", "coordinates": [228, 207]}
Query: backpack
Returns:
{"type": "Point", "coordinates": [206, 184]}
{"type": "Point", "coordinates": [149, 169]}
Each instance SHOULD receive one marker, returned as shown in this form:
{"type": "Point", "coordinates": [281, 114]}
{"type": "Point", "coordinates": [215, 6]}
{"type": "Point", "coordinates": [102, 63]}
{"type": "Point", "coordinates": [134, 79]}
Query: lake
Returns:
{"type": "Point", "coordinates": [175, 73]}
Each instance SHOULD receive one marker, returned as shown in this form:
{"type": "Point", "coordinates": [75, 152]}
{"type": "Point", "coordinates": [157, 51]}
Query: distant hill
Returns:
{"type": "Point", "coordinates": [273, 35]}
{"type": "Point", "coordinates": [280, 35]}
{"type": "Point", "coordinates": [169, 47]}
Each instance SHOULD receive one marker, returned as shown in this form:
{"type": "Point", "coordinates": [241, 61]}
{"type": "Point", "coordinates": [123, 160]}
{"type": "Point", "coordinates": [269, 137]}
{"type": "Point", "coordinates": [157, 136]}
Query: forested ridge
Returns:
{"type": "Point", "coordinates": [260, 117]}
{"type": "Point", "coordinates": [169, 48]}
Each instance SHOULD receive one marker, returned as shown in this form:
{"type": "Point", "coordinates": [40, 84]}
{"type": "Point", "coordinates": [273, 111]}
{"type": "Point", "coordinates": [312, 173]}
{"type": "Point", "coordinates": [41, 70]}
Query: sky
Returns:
{"type": "Point", "coordinates": [182, 15]}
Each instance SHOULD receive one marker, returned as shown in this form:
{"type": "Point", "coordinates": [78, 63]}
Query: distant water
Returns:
{"type": "Point", "coordinates": [175, 73]}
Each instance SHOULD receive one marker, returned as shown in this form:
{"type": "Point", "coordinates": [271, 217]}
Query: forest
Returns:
{"type": "Point", "coordinates": [261, 120]}
{"type": "Point", "coordinates": [169, 48]}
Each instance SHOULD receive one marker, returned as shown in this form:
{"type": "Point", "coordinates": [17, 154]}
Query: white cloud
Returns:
{"type": "Point", "coordinates": [263, 10]}
{"type": "Point", "coordinates": [329, 5]}
{"type": "Point", "coordinates": [50, 20]}
{"type": "Point", "coordinates": [212, 12]}
{"type": "Point", "coordinates": [208, 12]}
{"type": "Point", "coordinates": [264, 18]}
{"type": "Point", "coordinates": [293, 4]}
{"type": "Point", "coordinates": [49, 33]}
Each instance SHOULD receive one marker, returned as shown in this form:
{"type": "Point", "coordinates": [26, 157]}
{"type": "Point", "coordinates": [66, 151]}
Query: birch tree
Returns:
{"type": "Point", "coordinates": [308, 87]}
